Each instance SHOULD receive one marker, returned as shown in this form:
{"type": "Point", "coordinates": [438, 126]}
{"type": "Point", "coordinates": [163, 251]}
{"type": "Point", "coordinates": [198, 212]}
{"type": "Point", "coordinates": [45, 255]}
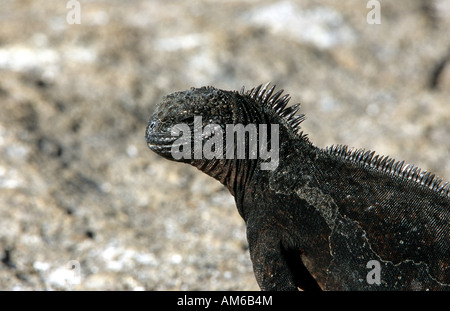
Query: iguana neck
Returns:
{"type": "Point", "coordinates": [234, 174]}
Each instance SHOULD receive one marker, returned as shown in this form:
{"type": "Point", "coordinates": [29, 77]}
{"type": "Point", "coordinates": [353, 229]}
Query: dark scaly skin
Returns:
{"type": "Point", "coordinates": [317, 219]}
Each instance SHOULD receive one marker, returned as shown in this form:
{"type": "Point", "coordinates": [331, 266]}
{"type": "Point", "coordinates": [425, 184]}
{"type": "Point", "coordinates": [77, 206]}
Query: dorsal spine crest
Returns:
{"type": "Point", "coordinates": [390, 166]}
{"type": "Point", "coordinates": [262, 94]}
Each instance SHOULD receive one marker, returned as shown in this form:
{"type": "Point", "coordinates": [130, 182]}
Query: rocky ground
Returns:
{"type": "Point", "coordinates": [80, 189]}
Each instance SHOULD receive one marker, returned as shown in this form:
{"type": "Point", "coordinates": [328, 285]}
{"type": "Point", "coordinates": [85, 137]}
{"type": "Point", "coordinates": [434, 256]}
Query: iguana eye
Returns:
{"type": "Point", "coordinates": [187, 120]}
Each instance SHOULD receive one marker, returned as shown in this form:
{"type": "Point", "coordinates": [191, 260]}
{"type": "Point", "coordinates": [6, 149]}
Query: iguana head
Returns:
{"type": "Point", "coordinates": [212, 110]}
{"type": "Point", "coordinates": [179, 113]}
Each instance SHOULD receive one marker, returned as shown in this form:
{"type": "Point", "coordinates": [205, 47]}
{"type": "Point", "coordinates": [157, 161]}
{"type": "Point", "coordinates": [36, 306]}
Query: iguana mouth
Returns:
{"type": "Point", "coordinates": [161, 142]}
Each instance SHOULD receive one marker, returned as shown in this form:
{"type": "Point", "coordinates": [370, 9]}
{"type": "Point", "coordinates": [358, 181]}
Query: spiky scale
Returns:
{"type": "Point", "coordinates": [274, 98]}
{"type": "Point", "coordinates": [268, 94]}
{"type": "Point", "coordinates": [281, 103]}
{"type": "Point", "coordinates": [289, 112]}
{"type": "Point", "coordinates": [296, 121]}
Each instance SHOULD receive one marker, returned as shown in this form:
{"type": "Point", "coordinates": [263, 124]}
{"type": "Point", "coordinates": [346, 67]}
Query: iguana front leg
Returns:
{"type": "Point", "coordinates": [269, 263]}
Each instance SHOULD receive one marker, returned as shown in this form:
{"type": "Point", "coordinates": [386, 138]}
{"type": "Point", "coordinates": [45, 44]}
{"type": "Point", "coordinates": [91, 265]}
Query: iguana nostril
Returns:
{"type": "Point", "coordinates": [149, 130]}
{"type": "Point", "coordinates": [152, 125]}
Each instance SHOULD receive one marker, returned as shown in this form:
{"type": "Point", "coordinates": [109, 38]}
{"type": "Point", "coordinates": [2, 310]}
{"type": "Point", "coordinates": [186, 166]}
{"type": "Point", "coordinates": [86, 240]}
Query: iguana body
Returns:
{"type": "Point", "coordinates": [321, 218]}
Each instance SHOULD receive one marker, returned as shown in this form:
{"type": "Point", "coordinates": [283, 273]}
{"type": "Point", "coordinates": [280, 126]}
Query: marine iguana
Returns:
{"type": "Point", "coordinates": [330, 219]}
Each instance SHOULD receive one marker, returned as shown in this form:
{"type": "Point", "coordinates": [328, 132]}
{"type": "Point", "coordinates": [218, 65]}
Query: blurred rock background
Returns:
{"type": "Point", "coordinates": [80, 189]}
